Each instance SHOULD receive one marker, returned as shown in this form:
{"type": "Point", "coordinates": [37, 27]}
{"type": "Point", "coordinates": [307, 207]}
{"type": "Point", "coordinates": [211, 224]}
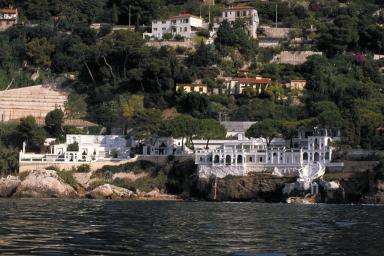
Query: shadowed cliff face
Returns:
{"type": "Point", "coordinates": [258, 187]}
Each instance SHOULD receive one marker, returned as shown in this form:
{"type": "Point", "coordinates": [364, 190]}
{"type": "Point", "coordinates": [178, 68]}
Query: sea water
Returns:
{"type": "Point", "coordinates": [102, 227]}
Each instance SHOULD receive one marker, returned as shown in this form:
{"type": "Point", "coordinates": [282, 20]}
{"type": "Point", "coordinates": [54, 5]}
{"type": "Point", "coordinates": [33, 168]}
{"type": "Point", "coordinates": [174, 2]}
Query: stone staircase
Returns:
{"type": "Point", "coordinates": [35, 100]}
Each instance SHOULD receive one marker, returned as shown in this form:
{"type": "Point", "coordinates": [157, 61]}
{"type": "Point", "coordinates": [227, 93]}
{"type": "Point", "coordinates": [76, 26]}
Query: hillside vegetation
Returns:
{"type": "Point", "coordinates": [122, 82]}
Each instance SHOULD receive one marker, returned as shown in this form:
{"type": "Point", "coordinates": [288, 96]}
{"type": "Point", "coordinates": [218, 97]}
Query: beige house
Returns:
{"type": "Point", "coordinates": [297, 85]}
{"type": "Point", "coordinates": [208, 2]}
{"type": "Point", "coordinates": [8, 18]}
{"type": "Point", "coordinates": [196, 86]}
{"type": "Point", "coordinates": [257, 84]}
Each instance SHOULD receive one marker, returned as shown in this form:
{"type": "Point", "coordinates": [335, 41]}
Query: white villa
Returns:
{"type": "Point", "coordinates": [240, 157]}
{"type": "Point", "coordinates": [247, 13]}
{"type": "Point", "coordinates": [90, 148]}
{"type": "Point", "coordinates": [185, 24]}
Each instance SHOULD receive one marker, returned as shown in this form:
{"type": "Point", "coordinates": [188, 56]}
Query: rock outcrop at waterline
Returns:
{"type": "Point", "coordinates": [9, 185]}
{"type": "Point", "coordinates": [44, 183]}
{"type": "Point", "coordinates": [108, 191]}
{"type": "Point", "coordinates": [49, 184]}
{"type": "Point", "coordinates": [257, 187]}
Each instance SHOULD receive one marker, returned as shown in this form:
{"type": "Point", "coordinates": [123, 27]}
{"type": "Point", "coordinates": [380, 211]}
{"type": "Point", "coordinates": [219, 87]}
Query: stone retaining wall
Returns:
{"type": "Point", "coordinates": [32, 100]}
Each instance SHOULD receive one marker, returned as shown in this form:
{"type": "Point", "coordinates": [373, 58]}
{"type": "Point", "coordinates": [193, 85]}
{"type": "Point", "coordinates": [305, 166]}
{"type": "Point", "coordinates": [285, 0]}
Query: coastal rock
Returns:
{"type": "Point", "coordinates": [157, 195]}
{"type": "Point", "coordinates": [308, 199]}
{"type": "Point", "coordinates": [380, 185]}
{"type": "Point", "coordinates": [9, 185]}
{"type": "Point", "coordinates": [44, 183]}
{"type": "Point", "coordinates": [373, 198]}
{"type": "Point", "coordinates": [332, 185]}
{"type": "Point", "coordinates": [153, 194]}
{"type": "Point", "coordinates": [108, 191]}
{"type": "Point", "coordinates": [260, 187]}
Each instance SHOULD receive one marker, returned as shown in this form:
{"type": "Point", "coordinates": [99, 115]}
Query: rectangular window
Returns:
{"type": "Point", "coordinates": [186, 20]}
{"type": "Point", "coordinates": [226, 14]}
{"type": "Point", "coordinates": [164, 22]}
{"type": "Point", "coordinates": [154, 29]}
{"type": "Point", "coordinates": [237, 14]}
{"type": "Point", "coordinates": [201, 89]}
{"type": "Point", "coordinates": [261, 160]}
{"type": "Point", "coordinates": [163, 29]}
{"type": "Point", "coordinates": [185, 29]}
{"type": "Point", "coordinates": [244, 13]}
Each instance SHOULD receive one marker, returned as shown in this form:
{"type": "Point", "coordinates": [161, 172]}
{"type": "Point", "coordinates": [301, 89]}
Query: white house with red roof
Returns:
{"type": "Point", "coordinates": [247, 13]}
{"type": "Point", "coordinates": [240, 84]}
{"type": "Point", "coordinates": [184, 24]}
{"type": "Point", "coordinates": [8, 18]}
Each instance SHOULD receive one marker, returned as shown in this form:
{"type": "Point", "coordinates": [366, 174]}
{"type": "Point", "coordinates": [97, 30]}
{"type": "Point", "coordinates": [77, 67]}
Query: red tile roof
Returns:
{"type": "Point", "coordinates": [254, 80]}
{"type": "Point", "coordinates": [183, 15]}
{"type": "Point", "coordinates": [239, 8]}
{"type": "Point", "coordinates": [8, 11]}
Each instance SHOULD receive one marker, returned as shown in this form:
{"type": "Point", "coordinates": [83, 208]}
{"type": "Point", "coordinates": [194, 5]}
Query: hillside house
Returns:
{"type": "Point", "coordinates": [8, 18]}
{"type": "Point", "coordinates": [256, 85]}
{"type": "Point", "coordinates": [247, 13]}
{"type": "Point", "coordinates": [196, 86]}
{"type": "Point", "coordinates": [296, 85]}
{"type": "Point", "coordinates": [208, 2]}
{"type": "Point", "coordinates": [185, 25]}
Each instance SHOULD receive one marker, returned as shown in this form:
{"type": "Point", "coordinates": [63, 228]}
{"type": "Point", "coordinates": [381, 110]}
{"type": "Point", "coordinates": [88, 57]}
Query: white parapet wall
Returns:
{"type": "Point", "coordinates": [67, 166]}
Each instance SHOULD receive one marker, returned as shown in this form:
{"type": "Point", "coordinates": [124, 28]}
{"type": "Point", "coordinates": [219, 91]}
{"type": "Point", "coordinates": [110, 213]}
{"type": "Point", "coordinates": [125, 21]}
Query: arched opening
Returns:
{"type": "Point", "coordinates": [305, 156]}
{"type": "Point", "coordinates": [217, 159]}
{"type": "Point", "coordinates": [239, 159]}
{"type": "Point", "coordinates": [316, 144]}
{"type": "Point", "coordinates": [228, 160]}
{"type": "Point", "coordinates": [316, 157]}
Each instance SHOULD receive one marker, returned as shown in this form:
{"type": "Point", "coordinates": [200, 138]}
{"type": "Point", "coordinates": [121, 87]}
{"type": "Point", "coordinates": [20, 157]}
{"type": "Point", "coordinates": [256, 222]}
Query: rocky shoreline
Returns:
{"type": "Point", "coordinates": [48, 184]}
{"type": "Point", "coordinates": [336, 188]}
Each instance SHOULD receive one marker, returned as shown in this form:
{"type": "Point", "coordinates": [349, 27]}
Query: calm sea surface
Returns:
{"type": "Point", "coordinates": [86, 227]}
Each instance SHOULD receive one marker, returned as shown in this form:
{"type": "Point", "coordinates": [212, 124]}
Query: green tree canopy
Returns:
{"type": "Point", "coordinates": [267, 129]}
{"type": "Point", "coordinates": [210, 129]}
{"type": "Point", "coordinates": [28, 131]}
{"type": "Point", "coordinates": [54, 123]}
